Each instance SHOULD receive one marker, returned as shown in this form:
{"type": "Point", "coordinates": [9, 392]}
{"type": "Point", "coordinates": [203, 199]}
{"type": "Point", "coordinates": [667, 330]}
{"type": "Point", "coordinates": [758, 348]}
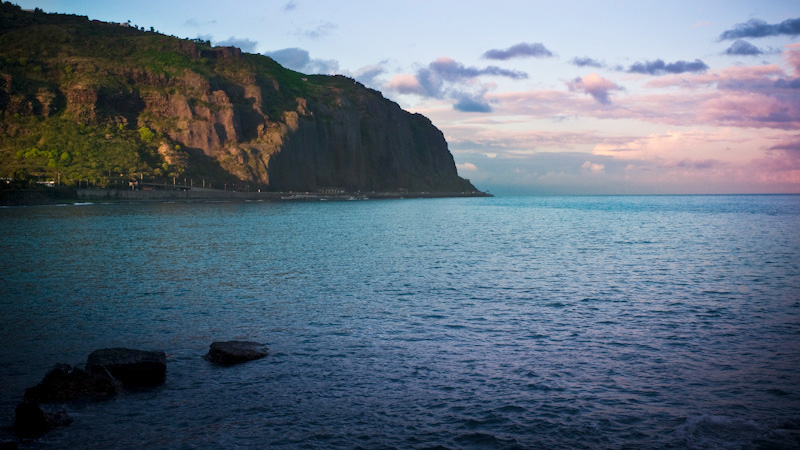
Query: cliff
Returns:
{"type": "Point", "coordinates": [95, 101]}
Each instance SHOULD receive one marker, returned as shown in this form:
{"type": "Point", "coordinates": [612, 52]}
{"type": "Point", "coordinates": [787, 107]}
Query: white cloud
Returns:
{"type": "Point", "coordinates": [466, 166]}
{"type": "Point", "coordinates": [593, 167]}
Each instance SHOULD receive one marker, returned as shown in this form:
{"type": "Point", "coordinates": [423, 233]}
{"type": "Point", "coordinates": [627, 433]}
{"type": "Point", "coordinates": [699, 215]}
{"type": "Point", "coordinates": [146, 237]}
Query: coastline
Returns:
{"type": "Point", "coordinates": [22, 197]}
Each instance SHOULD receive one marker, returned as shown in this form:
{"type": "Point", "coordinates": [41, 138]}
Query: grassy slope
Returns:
{"type": "Point", "coordinates": [47, 54]}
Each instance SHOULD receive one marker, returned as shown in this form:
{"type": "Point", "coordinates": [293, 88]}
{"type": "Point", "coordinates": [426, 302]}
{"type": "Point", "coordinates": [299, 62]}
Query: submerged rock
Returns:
{"type": "Point", "coordinates": [65, 383]}
{"type": "Point", "coordinates": [30, 420]}
{"type": "Point", "coordinates": [131, 367]}
{"type": "Point", "coordinates": [235, 352]}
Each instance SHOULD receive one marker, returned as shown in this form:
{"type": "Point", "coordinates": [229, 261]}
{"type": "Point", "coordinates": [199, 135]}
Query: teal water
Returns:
{"type": "Point", "coordinates": [536, 322]}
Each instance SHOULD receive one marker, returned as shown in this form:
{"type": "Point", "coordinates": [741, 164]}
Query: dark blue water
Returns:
{"type": "Point", "coordinates": [543, 322]}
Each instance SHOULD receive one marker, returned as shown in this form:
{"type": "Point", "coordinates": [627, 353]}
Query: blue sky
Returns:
{"type": "Point", "coordinates": [547, 97]}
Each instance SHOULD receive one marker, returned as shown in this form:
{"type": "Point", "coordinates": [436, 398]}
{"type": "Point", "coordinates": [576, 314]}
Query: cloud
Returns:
{"type": "Point", "coordinates": [521, 50]}
{"type": "Point", "coordinates": [319, 31]}
{"type": "Point", "coordinates": [299, 60]}
{"type": "Point", "coordinates": [587, 62]}
{"type": "Point", "coordinates": [593, 167]}
{"type": "Point", "coordinates": [756, 110]}
{"type": "Point", "coordinates": [781, 163]}
{"type": "Point", "coordinates": [693, 164]}
{"type": "Point", "coordinates": [367, 75]}
{"type": "Point", "coordinates": [292, 58]}
{"type": "Point", "coordinates": [789, 144]}
{"type": "Point", "coordinates": [194, 23]}
{"type": "Point", "coordinates": [678, 161]}
{"type": "Point", "coordinates": [743, 48]}
{"type": "Point", "coordinates": [792, 56]}
{"type": "Point", "coordinates": [745, 96]}
{"type": "Point", "coordinates": [466, 104]}
{"type": "Point", "coordinates": [405, 83]}
{"type": "Point", "coordinates": [788, 84]}
{"type": "Point", "coordinates": [596, 86]}
{"type": "Point", "coordinates": [673, 148]}
{"type": "Point", "coordinates": [466, 166]}
{"type": "Point", "coordinates": [246, 45]}
{"type": "Point", "coordinates": [756, 28]}
{"type": "Point", "coordinates": [552, 173]}
{"type": "Point", "coordinates": [451, 70]}
{"type": "Point", "coordinates": [751, 97]}
{"type": "Point", "coordinates": [741, 97]}
{"type": "Point", "coordinates": [446, 78]}
{"type": "Point", "coordinates": [289, 6]}
{"type": "Point", "coordinates": [659, 67]}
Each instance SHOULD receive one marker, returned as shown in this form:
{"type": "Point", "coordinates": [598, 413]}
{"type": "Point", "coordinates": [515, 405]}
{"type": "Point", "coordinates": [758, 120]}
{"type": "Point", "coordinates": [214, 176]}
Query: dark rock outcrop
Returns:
{"type": "Point", "coordinates": [65, 383]}
{"type": "Point", "coordinates": [30, 420]}
{"type": "Point", "coordinates": [106, 371]}
{"type": "Point", "coordinates": [131, 367]}
{"type": "Point", "coordinates": [235, 352]}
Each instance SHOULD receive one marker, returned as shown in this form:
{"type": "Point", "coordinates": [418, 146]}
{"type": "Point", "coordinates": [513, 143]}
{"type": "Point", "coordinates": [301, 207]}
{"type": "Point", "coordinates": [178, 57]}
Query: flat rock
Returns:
{"type": "Point", "coordinates": [133, 368]}
{"type": "Point", "coordinates": [235, 352]}
{"type": "Point", "coordinates": [64, 383]}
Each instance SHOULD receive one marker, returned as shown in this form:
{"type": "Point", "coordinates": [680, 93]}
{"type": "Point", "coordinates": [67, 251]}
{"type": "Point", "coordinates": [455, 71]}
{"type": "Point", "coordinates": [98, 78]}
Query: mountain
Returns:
{"type": "Point", "coordinates": [92, 102]}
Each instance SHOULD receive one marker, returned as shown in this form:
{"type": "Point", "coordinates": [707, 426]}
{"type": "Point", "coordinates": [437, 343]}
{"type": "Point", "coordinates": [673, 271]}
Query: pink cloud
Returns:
{"type": "Point", "coordinates": [405, 83]}
{"type": "Point", "coordinates": [791, 144]}
{"type": "Point", "coordinates": [710, 107]}
{"type": "Point", "coordinates": [783, 168]}
{"type": "Point", "coordinates": [549, 104]}
{"type": "Point", "coordinates": [594, 85]}
{"type": "Point", "coordinates": [746, 97]}
{"type": "Point", "coordinates": [751, 96]}
{"type": "Point", "coordinates": [750, 110]}
{"type": "Point", "coordinates": [731, 76]}
{"type": "Point", "coordinates": [792, 56]}
{"type": "Point", "coordinates": [593, 167]}
{"type": "Point", "coordinates": [674, 148]}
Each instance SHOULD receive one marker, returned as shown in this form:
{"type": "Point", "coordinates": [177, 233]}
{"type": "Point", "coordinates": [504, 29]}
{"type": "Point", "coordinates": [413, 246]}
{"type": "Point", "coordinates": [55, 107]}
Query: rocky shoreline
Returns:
{"type": "Point", "coordinates": [22, 197]}
{"type": "Point", "coordinates": [107, 372]}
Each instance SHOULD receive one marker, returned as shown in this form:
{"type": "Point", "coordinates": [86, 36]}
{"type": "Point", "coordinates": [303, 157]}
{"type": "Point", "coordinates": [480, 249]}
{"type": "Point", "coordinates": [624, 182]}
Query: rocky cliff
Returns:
{"type": "Point", "coordinates": [88, 99]}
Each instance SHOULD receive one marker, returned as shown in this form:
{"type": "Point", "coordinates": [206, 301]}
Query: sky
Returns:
{"type": "Point", "coordinates": [542, 97]}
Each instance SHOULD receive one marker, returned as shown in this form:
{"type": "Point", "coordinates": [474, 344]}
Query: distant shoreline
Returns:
{"type": "Point", "coordinates": [21, 197]}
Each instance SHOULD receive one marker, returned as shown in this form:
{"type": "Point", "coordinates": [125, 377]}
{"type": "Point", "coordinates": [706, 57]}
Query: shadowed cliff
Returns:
{"type": "Point", "coordinates": [95, 101]}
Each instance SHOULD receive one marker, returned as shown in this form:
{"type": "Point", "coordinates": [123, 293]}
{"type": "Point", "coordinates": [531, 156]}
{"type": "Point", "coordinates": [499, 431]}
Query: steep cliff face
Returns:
{"type": "Point", "coordinates": [210, 111]}
{"type": "Point", "coordinates": [361, 142]}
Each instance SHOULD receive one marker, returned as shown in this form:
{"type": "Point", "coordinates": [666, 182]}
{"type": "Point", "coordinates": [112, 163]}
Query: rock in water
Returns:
{"type": "Point", "coordinates": [9, 445]}
{"type": "Point", "coordinates": [30, 420]}
{"type": "Point", "coordinates": [235, 352]}
{"type": "Point", "coordinates": [131, 367]}
{"type": "Point", "coordinates": [65, 383]}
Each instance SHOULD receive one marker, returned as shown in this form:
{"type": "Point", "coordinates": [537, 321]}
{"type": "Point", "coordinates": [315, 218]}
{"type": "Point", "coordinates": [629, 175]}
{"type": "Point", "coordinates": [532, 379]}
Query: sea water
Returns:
{"type": "Point", "coordinates": [535, 322]}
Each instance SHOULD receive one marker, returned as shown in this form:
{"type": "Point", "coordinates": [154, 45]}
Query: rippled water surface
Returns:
{"type": "Point", "coordinates": [541, 322]}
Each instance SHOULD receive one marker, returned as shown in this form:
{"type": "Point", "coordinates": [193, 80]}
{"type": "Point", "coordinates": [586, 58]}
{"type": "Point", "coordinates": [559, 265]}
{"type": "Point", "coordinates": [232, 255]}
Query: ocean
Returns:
{"type": "Point", "coordinates": [641, 322]}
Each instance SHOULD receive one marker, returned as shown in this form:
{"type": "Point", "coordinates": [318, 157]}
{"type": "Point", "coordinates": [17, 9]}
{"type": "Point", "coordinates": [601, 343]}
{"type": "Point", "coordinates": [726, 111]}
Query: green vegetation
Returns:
{"type": "Point", "coordinates": [106, 70]}
{"type": "Point", "coordinates": [60, 148]}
